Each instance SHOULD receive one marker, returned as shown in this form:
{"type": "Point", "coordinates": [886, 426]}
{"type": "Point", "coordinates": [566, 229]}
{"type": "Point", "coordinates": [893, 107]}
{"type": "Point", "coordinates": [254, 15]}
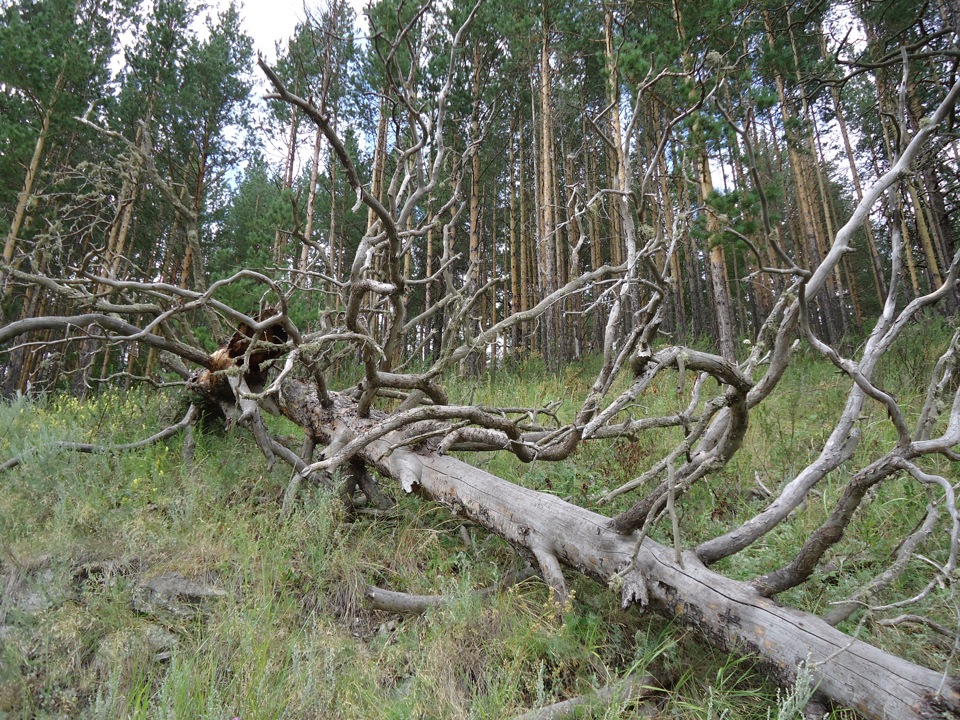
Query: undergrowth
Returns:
{"type": "Point", "coordinates": [291, 636]}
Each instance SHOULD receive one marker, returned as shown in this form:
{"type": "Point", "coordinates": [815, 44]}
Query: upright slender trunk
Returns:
{"type": "Point", "coordinates": [192, 256]}
{"type": "Point", "coordinates": [426, 355]}
{"type": "Point", "coordinates": [23, 199]}
{"type": "Point", "coordinates": [719, 283]}
{"type": "Point", "coordinates": [816, 154]}
{"type": "Point", "coordinates": [876, 269]}
{"type": "Point", "coordinates": [377, 189]}
{"type": "Point", "coordinates": [547, 241]}
{"type": "Point", "coordinates": [120, 227]}
{"type": "Point", "coordinates": [494, 258]}
{"type": "Point", "coordinates": [474, 362]}
{"type": "Point", "coordinates": [279, 240]}
{"type": "Point", "coordinates": [831, 302]}
{"type": "Point", "coordinates": [574, 304]}
{"type": "Point", "coordinates": [699, 313]}
{"type": "Point", "coordinates": [334, 237]}
{"type": "Point", "coordinates": [926, 241]}
{"type": "Point", "coordinates": [525, 250]}
{"type": "Point", "coordinates": [809, 229]}
{"type": "Point", "coordinates": [536, 240]}
{"type": "Point", "coordinates": [379, 161]}
{"type": "Point", "coordinates": [938, 230]}
{"type": "Point", "coordinates": [883, 105]}
{"type": "Point", "coordinates": [311, 210]}
{"type": "Point", "coordinates": [617, 168]}
{"type": "Point", "coordinates": [596, 250]}
{"type": "Point", "coordinates": [17, 371]}
{"type": "Point", "coordinates": [515, 248]}
{"type": "Point", "coordinates": [677, 303]}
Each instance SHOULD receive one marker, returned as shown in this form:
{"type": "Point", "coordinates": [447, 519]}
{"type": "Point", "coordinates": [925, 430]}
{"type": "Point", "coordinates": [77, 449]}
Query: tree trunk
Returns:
{"type": "Point", "coordinates": [923, 231]}
{"type": "Point", "coordinates": [494, 270]}
{"type": "Point", "coordinates": [16, 375]}
{"type": "Point", "coordinates": [515, 245]}
{"type": "Point", "coordinates": [833, 309]}
{"type": "Point", "coordinates": [574, 305]}
{"type": "Point", "coordinates": [525, 252]}
{"type": "Point", "coordinates": [474, 363]}
{"type": "Point", "coordinates": [335, 238]}
{"type": "Point", "coordinates": [23, 199]}
{"type": "Point", "coordinates": [311, 209]}
{"type": "Point", "coordinates": [810, 229]}
{"type": "Point", "coordinates": [727, 613]}
{"type": "Point", "coordinates": [547, 240]}
{"type": "Point", "coordinates": [699, 314]}
{"type": "Point", "coordinates": [425, 328]}
{"type": "Point", "coordinates": [279, 239]}
{"type": "Point", "coordinates": [876, 268]}
{"type": "Point", "coordinates": [615, 157]}
{"type": "Point", "coordinates": [596, 250]}
{"type": "Point", "coordinates": [719, 282]}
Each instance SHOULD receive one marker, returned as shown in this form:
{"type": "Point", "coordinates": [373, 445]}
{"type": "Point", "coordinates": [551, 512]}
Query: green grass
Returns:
{"type": "Point", "coordinates": [293, 637]}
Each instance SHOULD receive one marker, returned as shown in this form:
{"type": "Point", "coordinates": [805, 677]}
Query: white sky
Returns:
{"type": "Point", "coordinates": [269, 21]}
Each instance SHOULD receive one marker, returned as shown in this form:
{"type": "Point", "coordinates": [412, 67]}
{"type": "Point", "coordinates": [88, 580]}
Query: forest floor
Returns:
{"type": "Point", "coordinates": [137, 585]}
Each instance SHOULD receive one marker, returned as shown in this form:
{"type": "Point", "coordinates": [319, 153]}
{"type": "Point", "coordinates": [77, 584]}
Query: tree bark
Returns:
{"type": "Point", "coordinates": [876, 269]}
{"type": "Point", "coordinates": [474, 363]}
{"type": "Point", "coordinates": [525, 252]}
{"type": "Point", "coordinates": [515, 245]}
{"type": "Point", "coordinates": [23, 199]}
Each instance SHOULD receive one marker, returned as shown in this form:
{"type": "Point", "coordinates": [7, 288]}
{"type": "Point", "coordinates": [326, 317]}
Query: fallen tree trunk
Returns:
{"type": "Point", "coordinates": [727, 613]}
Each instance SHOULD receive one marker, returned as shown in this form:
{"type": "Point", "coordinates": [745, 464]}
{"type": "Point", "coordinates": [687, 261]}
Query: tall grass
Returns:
{"type": "Point", "coordinates": [293, 637]}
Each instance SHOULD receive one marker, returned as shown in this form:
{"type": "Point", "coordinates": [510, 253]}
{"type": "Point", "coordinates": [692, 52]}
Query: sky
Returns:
{"type": "Point", "coordinates": [268, 21]}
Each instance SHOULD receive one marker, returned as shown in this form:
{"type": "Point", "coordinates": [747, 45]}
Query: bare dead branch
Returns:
{"type": "Point", "coordinates": [167, 432]}
{"type": "Point", "coordinates": [908, 547]}
{"type": "Point", "coordinates": [409, 604]}
{"type": "Point", "coordinates": [630, 689]}
{"type": "Point", "coordinates": [107, 322]}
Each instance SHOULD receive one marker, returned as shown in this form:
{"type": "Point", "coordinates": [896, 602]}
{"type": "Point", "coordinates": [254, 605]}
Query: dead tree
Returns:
{"type": "Point", "coordinates": [408, 446]}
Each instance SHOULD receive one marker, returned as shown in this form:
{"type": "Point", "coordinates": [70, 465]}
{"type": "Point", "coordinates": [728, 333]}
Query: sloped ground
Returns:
{"type": "Point", "coordinates": [137, 585]}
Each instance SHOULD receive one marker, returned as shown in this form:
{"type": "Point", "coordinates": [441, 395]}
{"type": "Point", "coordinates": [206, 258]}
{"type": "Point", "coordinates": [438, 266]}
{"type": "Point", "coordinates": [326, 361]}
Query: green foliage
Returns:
{"type": "Point", "coordinates": [54, 58]}
{"type": "Point", "coordinates": [189, 89]}
{"type": "Point", "coordinates": [256, 208]}
{"type": "Point", "coordinates": [153, 63]}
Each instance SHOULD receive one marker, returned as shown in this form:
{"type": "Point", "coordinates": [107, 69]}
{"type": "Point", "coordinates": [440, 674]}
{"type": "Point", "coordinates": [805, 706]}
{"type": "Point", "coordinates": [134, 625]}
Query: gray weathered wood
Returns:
{"type": "Point", "coordinates": [727, 613]}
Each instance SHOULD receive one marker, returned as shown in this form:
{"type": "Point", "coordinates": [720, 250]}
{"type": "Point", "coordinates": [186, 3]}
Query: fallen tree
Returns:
{"type": "Point", "coordinates": [367, 323]}
{"type": "Point", "coordinates": [730, 614]}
